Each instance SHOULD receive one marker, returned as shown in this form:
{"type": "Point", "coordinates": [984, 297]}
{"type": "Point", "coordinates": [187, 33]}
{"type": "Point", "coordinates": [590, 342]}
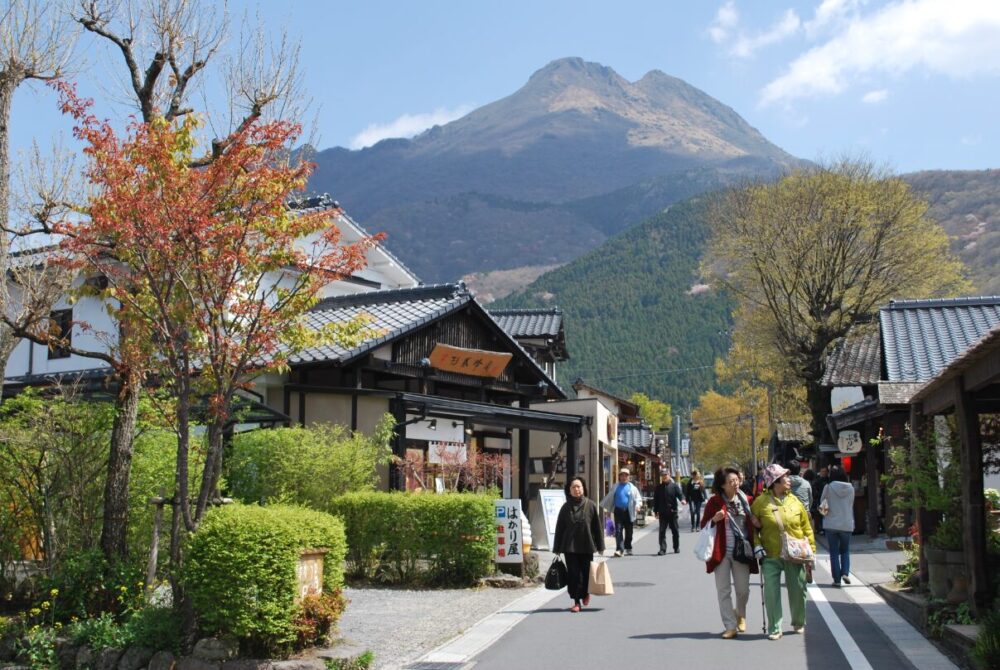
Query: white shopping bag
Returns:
{"type": "Point", "coordinates": [706, 543]}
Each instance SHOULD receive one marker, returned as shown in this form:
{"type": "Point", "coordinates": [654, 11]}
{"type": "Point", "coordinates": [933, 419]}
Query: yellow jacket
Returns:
{"type": "Point", "coordinates": [794, 517]}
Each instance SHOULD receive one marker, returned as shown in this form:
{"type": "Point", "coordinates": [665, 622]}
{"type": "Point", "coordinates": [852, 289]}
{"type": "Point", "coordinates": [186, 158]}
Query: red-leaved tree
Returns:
{"type": "Point", "coordinates": [208, 272]}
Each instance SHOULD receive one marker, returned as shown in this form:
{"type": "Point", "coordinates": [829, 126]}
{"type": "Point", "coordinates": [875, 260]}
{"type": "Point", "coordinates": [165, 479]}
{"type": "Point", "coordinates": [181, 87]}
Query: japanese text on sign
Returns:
{"type": "Point", "coordinates": [507, 525]}
{"type": "Point", "coordinates": [469, 361]}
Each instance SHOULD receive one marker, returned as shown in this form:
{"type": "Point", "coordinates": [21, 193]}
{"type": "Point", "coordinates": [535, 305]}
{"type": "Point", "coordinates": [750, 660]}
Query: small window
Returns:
{"type": "Point", "coordinates": [61, 328]}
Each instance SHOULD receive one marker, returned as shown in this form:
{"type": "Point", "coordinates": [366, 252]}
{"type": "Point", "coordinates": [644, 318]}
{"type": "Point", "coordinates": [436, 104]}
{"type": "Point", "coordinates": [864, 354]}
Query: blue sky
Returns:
{"type": "Point", "coordinates": [912, 84]}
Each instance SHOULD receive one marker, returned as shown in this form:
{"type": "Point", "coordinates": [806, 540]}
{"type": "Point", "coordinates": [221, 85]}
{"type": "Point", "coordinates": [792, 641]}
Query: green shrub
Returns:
{"type": "Point", "coordinates": [306, 466]}
{"type": "Point", "coordinates": [987, 648]}
{"type": "Point", "coordinates": [100, 632]}
{"type": "Point", "coordinates": [240, 570]}
{"type": "Point", "coordinates": [87, 585]}
{"type": "Point", "coordinates": [406, 537]}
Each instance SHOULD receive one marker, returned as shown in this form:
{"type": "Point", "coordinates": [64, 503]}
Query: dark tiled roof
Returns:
{"type": "Point", "coordinates": [898, 393]}
{"type": "Point", "coordinates": [393, 313]}
{"type": "Point", "coordinates": [635, 435]}
{"type": "Point", "coordinates": [788, 431]}
{"type": "Point", "coordinates": [922, 337]}
{"type": "Point", "coordinates": [529, 322]}
{"type": "Point", "coordinates": [855, 360]}
{"type": "Point", "coordinates": [986, 344]}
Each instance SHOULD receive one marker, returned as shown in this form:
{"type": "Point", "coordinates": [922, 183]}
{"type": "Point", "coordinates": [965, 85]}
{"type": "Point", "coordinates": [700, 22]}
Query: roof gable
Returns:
{"type": "Point", "coordinates": [920, 338]}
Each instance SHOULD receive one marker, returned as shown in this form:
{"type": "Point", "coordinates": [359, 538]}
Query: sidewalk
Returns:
{"type": "Point", "coordinates": [871, 561]}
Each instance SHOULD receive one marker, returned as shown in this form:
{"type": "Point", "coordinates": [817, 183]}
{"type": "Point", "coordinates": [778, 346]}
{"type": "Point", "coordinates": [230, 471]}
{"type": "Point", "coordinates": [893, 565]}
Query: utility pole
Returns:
{"type": "Point", "coordinates": [753, 444]}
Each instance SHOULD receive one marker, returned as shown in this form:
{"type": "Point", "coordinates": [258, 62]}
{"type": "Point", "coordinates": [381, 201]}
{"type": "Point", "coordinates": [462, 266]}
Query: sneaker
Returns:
{"type": "Point", "coordinates": [618, 553]}
{"type": "Point", "coordinates": [774, 636]}
{"type": "Point", "coordinates": [729, 634]}
{"type": "Point", "coordinates": [586, 600]}
{"type": "Point", "coordinates": [837, 584]}
{"type": "Point", "coordinates": [661, 552]}
{"type": "Point", "coordinates": [628, 552]}
{"type": "Point", "coordinates": [846, 579]}
{"type": "Point", "coordinates": [677, 550]}
{"type": "Point", "coordinates": [799, 629]}
{"type": "Point", "coordinates": [741, 623]}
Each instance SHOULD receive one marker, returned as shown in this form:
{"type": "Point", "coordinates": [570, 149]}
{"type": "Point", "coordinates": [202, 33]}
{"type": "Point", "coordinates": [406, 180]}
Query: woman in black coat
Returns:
{"type": "Point", "coordinates": [579, 533]}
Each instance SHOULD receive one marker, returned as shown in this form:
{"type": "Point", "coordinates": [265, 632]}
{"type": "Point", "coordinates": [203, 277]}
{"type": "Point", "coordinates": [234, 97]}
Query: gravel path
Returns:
{"type": "Point", "coordinates": [400, 625]}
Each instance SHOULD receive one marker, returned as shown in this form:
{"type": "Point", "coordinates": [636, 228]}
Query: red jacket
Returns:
{"type": "Point", "coordinates": [715, 503]}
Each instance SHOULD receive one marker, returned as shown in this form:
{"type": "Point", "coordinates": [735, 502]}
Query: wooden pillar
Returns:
{"type": "Point", "coordinates": [523, 454]}
{"type": "Point", "coordinates": [572, 453]}
{"type": "Point", "coordinates": [397, 473]}
{"type": "Point", "coordinates": [926, 522]}
{"type": "Point", "coordinates": [973, 499]}
{"type": "Point", "coordinates": [871, 493]}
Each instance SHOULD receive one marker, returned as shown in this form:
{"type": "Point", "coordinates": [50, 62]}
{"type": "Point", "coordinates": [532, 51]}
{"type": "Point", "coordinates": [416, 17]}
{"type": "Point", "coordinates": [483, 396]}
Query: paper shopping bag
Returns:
{"type": "Point", "coordinates": [600, 580]}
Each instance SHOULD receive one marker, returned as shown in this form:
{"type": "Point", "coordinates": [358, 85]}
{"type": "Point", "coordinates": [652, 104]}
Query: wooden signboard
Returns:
{"type": "Point", "coordinates": [474, 362]}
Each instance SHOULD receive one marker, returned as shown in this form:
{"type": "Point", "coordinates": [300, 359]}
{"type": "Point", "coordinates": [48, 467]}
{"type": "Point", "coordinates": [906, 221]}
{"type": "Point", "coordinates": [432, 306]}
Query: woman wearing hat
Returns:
{"type": "Point", "coordinates": [777, 509]}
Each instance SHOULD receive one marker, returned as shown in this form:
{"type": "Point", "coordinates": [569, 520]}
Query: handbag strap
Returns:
{"type": "Point", "coordinates": [776, 512]}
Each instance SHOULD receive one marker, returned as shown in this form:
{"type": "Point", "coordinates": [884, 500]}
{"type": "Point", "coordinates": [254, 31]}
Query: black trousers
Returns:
{"type": "Point", "coordinates": [695, 509]}
{"type": "Point", "coordinates": [578, 575]}
{"type": "Point", "coordinates": [671, 521]}
{"type": "Point", "coordinates": [623, 530]}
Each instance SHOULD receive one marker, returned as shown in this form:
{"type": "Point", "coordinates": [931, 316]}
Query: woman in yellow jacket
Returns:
{"type": "Point", "coordinates": [777, 501]}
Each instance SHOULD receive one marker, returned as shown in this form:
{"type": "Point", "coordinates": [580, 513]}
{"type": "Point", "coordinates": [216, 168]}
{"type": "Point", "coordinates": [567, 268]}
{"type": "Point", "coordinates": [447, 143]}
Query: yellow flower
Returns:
{"type": "Point", "coordinates": [45, 605]}
{"type": "Point", "coordinates": [54, 592]}
{"type": "Point", "coordinates": [35, 611]}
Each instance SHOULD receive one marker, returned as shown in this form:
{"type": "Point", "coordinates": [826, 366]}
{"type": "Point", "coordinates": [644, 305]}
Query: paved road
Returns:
{"type": "Point", "coordinates": [665, 614]}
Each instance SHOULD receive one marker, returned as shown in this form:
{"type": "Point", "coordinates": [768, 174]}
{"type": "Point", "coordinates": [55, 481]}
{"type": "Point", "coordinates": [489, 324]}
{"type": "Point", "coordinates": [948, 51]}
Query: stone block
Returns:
{"type": "Point", "coordinates": [299, 664]}
{"type": "Point", "coordinates": [247, 664]}
{"type": "Point", "coordinates": [85, 658]}
{"type": "Point", "coordinates": [193, 663]}
{"type": "Point", "coordinates": [162, 660]}
{"type": "Point", "coordinates": [108, 659]}
{"type": "Point", "coordinates": [66, 653]}
{"type": "Point", "coordinates": [214, 649]}
{"type": "Point", "coordinates": [135, 658]}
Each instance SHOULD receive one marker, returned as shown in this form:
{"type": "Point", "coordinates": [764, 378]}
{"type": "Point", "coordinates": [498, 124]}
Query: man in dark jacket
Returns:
{"type": "Point", "coordinates": [667, 499]}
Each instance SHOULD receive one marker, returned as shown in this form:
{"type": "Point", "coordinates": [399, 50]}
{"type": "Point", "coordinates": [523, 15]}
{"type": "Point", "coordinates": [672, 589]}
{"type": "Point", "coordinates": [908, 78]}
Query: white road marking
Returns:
{"type": "Point", "coordinates": [855, 657]}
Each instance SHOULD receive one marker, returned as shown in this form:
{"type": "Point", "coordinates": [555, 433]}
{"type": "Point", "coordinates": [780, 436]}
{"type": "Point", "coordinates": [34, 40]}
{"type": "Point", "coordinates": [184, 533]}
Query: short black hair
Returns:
{"type": "Point", "coordinates": [721, 475]}
{"type": "Point", "coordinates": [837, 474]}
{"type": "Point", "coordinates": [794, 467]}
{"type": "Point", "coordinates": [575, 479]}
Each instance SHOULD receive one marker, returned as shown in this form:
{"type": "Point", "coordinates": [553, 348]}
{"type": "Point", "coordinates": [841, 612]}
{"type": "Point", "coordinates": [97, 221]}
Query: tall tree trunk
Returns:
{"type": "Point", "coordinates": [7, 340]}
{"type": "Point", "coordinates": [115, 528]}
{"type": "Point", "coordinates": [818, 399]}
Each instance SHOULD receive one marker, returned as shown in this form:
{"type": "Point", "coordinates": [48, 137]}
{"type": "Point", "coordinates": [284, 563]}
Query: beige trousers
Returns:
{"type": "Point", "coordinates": [730, 573]}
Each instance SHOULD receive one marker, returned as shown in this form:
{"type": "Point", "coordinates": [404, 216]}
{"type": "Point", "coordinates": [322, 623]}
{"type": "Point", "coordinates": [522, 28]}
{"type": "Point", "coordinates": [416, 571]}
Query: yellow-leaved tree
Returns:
{"type": "Point", "coordinates": [819, 251]}
{"type": "Point", "coordinates": [721, 427]}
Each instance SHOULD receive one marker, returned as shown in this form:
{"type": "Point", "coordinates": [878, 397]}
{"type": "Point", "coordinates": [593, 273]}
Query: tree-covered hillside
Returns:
{"type": "Point", "coordinates": [635, 318]}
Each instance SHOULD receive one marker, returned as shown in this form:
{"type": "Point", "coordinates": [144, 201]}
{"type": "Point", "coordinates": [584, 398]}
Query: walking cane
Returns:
{"type": "Point", "coordinates": [763, 610]}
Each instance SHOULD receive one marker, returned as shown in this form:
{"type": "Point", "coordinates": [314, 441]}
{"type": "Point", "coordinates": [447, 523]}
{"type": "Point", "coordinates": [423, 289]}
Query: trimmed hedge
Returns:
{"type": "Point", "coordinates": [410, 537]}
{"type": "Point", "coordinates": [240, 570]}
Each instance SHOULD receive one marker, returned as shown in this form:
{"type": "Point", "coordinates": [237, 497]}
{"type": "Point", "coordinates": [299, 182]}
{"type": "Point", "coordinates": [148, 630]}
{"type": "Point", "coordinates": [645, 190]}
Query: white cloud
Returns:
{"type": "Point", "coordinates": [407, 125]}
{"type": "Point", "coordinates": [785, 27]}
{"type": "Point", "coordinates": [875, 97]}
{"type": "Point", "coordinates": [726, 21]}
{"type": "Point", "coordinates": [830, 12]}
{"type": "Point", "coordinates": [957, 38]}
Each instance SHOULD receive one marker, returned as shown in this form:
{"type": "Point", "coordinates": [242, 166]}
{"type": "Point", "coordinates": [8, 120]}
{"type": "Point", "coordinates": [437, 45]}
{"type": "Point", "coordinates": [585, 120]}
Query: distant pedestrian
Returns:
{"type": "Point", "coordinates": [696, 495]}
{"type": "Point", "coordinates": [578, 536]}
{"type": "Point", "coordinates": [822, 479]}
{"type": "Point", "coordinates": [624, 501]}
{"type": "Point", "coordinates": [732, 558]}
{"type": "Point", "coordinates": [667, 500]}
{"type": "Point", "coordinates": [801, 488]}
{"type": "Point", "coordinates": [777, 509]}
{"type": "Point", "coordinates": [837, 508]}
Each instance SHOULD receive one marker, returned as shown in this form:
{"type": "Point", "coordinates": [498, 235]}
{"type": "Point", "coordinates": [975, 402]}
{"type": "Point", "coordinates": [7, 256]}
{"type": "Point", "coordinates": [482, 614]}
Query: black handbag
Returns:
{"type": "Point", "coordinates": [742, 551]}
{"type": "Point", "coordinates": [556, 577]}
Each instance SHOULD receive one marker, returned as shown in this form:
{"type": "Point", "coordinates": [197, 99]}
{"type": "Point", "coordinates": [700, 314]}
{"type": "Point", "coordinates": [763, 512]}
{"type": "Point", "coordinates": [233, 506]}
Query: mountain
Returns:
{"type": "Point", "coordinates": [967, 204]}
{"type": "Point", "coordinates": [650, 328]}
{"type": "Point", "coordinates": [636, 317]}
{"type": "Point", "coordinates": [514, 182]}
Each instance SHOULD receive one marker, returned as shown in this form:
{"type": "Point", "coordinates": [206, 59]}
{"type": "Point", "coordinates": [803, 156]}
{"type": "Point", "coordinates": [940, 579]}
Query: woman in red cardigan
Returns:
{"type": "Point", "coordinates": [732, 558]}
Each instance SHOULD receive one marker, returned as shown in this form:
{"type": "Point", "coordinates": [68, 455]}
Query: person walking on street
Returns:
{"type": "Point", "coordinates": [667, 500]}
{"type": "Point", "coordinates": [837, 507]}
{"type": "Point", "coordinates": [624, 501]}
{"type": "Point", "coordinates": [822, 479]}
{"type": "Point", "coordinates": [801, 489]}
{"type": "Point", "coordinates": [696, 495]}
{"type": "Point", "coordinates": [578, 536]}
{"type": "Point", "coordinates": [778, 511]}
{"type": "Point", "coordinates": [732, 558]}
